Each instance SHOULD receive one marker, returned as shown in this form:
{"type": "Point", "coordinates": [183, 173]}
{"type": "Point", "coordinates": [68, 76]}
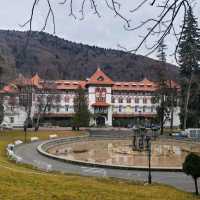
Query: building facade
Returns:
{"type": "Point", "coordinates": [111, 103]}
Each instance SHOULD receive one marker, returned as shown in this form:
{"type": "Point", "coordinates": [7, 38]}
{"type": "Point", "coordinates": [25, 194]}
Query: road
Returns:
{"type": "Point", "coordinates": [30, 155]}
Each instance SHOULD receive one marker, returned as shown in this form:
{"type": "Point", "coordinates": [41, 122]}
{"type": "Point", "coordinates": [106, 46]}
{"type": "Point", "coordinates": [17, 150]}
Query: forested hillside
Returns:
{"type": "Point", "coordinates": [56, 58]}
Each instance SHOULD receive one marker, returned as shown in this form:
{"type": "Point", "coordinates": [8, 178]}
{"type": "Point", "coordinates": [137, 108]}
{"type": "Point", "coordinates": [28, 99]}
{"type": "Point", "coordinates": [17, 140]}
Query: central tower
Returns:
{"type": "Point", "coordinates": [99, 97]}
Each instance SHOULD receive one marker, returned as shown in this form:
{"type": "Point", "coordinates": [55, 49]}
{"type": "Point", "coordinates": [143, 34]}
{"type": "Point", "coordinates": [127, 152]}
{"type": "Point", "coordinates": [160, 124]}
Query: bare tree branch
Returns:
{"type": "Point", "coordinates": [161, 26]}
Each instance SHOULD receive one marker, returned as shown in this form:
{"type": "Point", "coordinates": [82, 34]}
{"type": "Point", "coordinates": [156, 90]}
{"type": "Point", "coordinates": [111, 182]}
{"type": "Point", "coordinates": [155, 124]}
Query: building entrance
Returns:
{"type": "Point", "coordinates": [100, 121]}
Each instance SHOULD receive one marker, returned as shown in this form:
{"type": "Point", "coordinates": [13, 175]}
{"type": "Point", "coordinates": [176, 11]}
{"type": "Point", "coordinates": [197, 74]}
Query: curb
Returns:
{"type": "Point", "coordinates": [43, 152]}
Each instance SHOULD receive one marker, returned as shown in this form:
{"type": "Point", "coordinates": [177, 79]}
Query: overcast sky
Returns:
{"type": "Point", "coordinates": [106, 31]}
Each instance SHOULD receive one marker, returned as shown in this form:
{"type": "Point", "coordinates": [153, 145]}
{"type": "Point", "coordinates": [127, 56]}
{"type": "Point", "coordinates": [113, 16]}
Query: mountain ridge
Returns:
{"type": "Point", "coordinates": [55, 58]}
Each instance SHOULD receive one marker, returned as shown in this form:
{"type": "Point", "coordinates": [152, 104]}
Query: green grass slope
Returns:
{"type": "Point", "coordinates": [19, 182]}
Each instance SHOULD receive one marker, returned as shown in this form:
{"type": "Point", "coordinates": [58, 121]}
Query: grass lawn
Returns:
{"type": "Point", "coordinates": [19, 182]}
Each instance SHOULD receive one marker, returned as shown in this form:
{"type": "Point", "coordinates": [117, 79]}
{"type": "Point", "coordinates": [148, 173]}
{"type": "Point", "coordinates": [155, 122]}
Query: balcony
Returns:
{"type": "Point", "coordinates": [100, 111]}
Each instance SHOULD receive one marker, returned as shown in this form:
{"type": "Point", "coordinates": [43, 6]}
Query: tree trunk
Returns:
{"type": "Point", "coordinates": [196, 186]}
{"type": "Point", "coordinates": [172, 115]}
{"type": "Point", "coordinates": [162, 116]}
{"type": "Point", "coordinates": [39, 116]}
{"type": "Point", "coordinates": [37, 123]}
{"type": "Point", "coordinates": [186, 103]}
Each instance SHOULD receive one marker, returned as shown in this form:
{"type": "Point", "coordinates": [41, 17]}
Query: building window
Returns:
{"type": "Point", "coordinates": [120, 100]}
{"type": "Point", "coordinates": [57, 109]}
{"type": "Point", "coordinates": [137, 100]}
{"type": "Point", "coordinates": [39, 98]}
{"type": "Point", "coordinates": [66, 108]}
{"type": "Point", "coordinates": [128, 100]}
{"type": "Point", "coordinates": [12, 108]}
{"type": "Point", "coordinates": [40, 108]}
{"type": "Point", "coordinates": [66, 99]}
{"type": "Point", "coordinates": [144, 100]}
{"type": "Point", "coordinates": [33, 97]}
{"type": "Point", "coordinates": [144, 108]}
{"type": "Point", "coordinates": [113, 100]}
{"type": "Point", "coordinates": [49, 98]}
{"type": "Point", "coordinates": [49, 108]}
{"type": "Point", "coordinates": [11, 120]}
{"type": "Point", "coordinates": [152, 108]}
{"type": "Point", "coordinates": [100, 94]}
{"type": "Point", "coordinates": [58, 99]}
{"type": "Point", "coordinates": [100, 78]}
{"type": "Point", "coordinates": [12, 101]}
{"type": "Point", "coordinates": [153, 100]}
{"type": "Point", "coordinates": [136, 108]}
{"type": "Point", "coordinates": [120, 108]}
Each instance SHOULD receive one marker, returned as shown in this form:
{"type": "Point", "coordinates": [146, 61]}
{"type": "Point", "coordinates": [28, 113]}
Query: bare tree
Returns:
{"type": "Point", "coordinates": [161, 26]}
{"type": "Point", "coordinates": [25, 100]}
{"type": "Point", "coordinates": [45, 100]}
{"type": "Point", "coordinates": [173, 95]}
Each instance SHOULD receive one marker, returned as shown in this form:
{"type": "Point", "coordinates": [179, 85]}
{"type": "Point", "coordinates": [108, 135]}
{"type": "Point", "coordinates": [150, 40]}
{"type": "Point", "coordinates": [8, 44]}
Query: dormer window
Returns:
{"type": "Point", "coordinates": [100, 78]}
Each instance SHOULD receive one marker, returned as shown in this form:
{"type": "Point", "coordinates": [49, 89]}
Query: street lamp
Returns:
{"type": "Point", "coordinates": [148, 139]}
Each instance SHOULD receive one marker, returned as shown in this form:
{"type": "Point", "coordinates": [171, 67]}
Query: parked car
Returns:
{"type": "Point", "coordinates": [131, 126]}
{"type": "Point", "coordinates": [179, 135]}
{"type": "Point", "coordinates": [193, 133]}
{"type": "Point", "coordinates": [5, 126]}
{"type": "Point", "coordinates": [155, 127]}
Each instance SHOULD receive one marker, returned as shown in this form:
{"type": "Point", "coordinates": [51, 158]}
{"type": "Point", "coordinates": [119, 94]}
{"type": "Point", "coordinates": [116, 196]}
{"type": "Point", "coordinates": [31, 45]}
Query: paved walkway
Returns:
{"type": "Point", "coordinates": [30, 155]}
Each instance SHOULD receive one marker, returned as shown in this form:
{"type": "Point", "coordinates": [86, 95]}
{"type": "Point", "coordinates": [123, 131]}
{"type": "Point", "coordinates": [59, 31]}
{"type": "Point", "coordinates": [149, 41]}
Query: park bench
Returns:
{"type": "Point", "coordinates": [53, 136]}
{"type": "Point", "coordinates": [10, 147]}
{"type": "Point", "coordinates": [18, 142]}
{"type": "Point", "coordinates": [34, 139]}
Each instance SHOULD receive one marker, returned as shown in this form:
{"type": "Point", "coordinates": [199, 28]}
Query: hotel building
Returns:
{"type": "Point", "coordinates": [112, 103]}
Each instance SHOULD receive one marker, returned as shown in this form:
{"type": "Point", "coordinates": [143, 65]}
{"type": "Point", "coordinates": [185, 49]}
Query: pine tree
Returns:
{"type": "Point", "coordinates": [82, 114]}
{"type": "Point", "coordinates": [1, 111]}
{"type": "Point", "coordinates": [161, 51]}
{"type": "Point", "coordinates": [162, 92]}
{"type": "Point", "coordinates": [189, 55]}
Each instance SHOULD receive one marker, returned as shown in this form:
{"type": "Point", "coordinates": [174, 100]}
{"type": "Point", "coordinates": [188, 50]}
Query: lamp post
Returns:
{"type": "Point", "coordinates": [25, 130]}
{"type": "Point", "coordinates": [148, 139]}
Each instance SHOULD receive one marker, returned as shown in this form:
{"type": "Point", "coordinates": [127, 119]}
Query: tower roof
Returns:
{"type": "Point", "coordinates": [99, 78]}
{"type": "Point", "coordinates": [35, 80]}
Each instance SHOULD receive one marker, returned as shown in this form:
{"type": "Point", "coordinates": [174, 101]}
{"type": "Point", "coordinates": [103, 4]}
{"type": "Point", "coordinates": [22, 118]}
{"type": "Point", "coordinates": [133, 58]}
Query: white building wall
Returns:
{"type": "Point", "coordinates": [176, 118]}
{"type": "Point", "coordinates": [18, 115]}
{"type": "Point", "coordinates": [14, 116]}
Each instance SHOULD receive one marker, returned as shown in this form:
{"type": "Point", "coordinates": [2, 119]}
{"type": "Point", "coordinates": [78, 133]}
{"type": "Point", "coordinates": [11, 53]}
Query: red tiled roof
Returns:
{"type": "Point", "coordinates": [144, 85]}
{"type": "Point", "coordinates": [69, 84]}
{"type": "Point", "coordinates": [35, 80]}
{"type": "Point", "coordinates": [11, 88]}
{"type": "Point", "coordinates": [133, 115]}
{"type": "Point", "coordinates": [22, 81]}
{"type": "Point", "coordinates": [47, 115]}
{"type": "Point", "coordinates": [99, 78]}
{"type": "Point", "coordinates": [173, 84]}
{"type": "Point", "coordinates": [103, 104]}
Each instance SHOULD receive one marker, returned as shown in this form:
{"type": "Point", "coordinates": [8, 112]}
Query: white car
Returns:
{"type": "Point", "coordinates": [6, 126]}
